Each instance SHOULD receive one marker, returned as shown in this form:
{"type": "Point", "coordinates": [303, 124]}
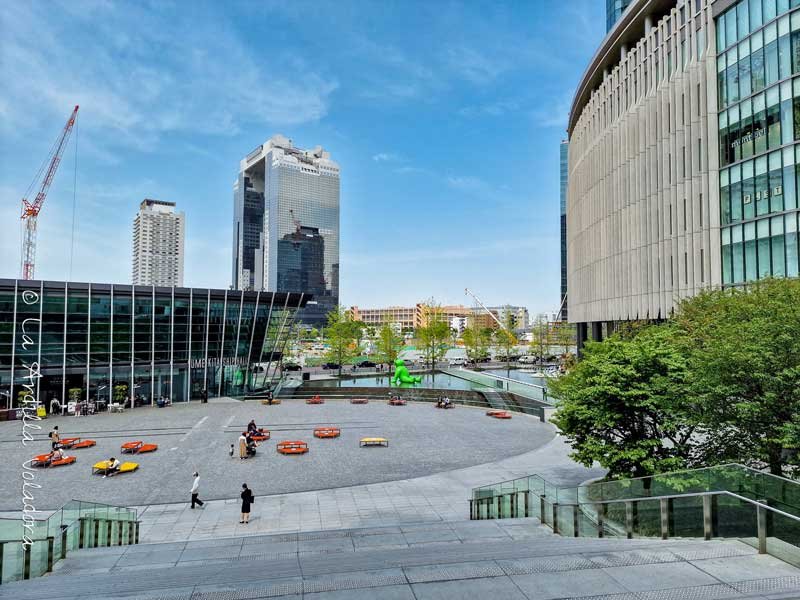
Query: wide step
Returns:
{"type": "Point", "coordinates": [516, 558]}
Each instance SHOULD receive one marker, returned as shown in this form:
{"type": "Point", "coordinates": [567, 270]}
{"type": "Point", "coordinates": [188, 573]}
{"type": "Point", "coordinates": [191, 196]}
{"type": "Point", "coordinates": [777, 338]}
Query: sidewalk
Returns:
{"type": "Point", "coordinates": [433, 498]}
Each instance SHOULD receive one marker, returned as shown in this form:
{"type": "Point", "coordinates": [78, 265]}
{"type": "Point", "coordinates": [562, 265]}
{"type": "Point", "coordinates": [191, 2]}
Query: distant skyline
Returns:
{"type": "Point", "coordinates": [446, 119]}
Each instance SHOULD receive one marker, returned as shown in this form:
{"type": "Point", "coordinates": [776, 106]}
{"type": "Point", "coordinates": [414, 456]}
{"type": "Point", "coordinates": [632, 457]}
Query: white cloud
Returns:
{"type": "Point", "coordinates": [469, 184]}
{"type": "Point", "coordinates": [475, 66]}
{"type": "Point", "coordinates": [138, 84]}
{"type": "Point", "coordinates": [385, 157]}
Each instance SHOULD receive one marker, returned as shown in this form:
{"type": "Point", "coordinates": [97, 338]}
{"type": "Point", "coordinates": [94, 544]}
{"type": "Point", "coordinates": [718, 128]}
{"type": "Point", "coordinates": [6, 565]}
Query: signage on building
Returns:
{"type": "Point", "coordinates": [202, 363]}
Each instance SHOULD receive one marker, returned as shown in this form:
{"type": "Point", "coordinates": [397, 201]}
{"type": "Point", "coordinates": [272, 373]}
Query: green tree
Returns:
{"type": "Point", "coordinates": [623, 405]}
{"type": "Point", "coordinates": [388, 344]}
{"type": "Point", "coordinates": [505, 337]}
{"type": "Point", "coordinates": [343, 338]}
{"type": "Point", "coordinates": [744, 356]}
{"type": "Point", "coordinates": [434, 334]}
{"type": "Point", "coordinates": [539, 340]}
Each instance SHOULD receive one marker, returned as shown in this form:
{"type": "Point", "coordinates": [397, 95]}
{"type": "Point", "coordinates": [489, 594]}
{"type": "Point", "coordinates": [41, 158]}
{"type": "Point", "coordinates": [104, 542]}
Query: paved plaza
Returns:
{"type": "Point", "coordinates": [423, 441]}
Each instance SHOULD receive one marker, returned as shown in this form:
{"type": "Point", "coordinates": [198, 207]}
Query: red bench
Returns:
{"type": "Point", "coordinates": [315, 400]}
{"type": "Point", "coordinates": [498, 414]}
{"type": "Point", "coordinates": [292, 447]}
{"type": "Point", "coordinates": [358, 400]}
{"type": "Point", "coordinates": [327, 432]}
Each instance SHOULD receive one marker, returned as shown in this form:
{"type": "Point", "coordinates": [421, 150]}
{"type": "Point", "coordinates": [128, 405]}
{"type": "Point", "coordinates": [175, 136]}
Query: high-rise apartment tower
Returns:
{"type": "Point", "coordinates": [158, 234]}
{"type": "Point", "coordinates": [286, 224]}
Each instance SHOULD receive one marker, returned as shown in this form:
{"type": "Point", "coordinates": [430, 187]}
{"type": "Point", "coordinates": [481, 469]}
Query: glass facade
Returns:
{"type": "Point", "coordinates": [758, 90]}
{"type": "Point", "coordinates": [614, 10]}
{"type": "Point", "coordinates": [107, 343]}
{"type": "Point", "coordinates": [286, 225]}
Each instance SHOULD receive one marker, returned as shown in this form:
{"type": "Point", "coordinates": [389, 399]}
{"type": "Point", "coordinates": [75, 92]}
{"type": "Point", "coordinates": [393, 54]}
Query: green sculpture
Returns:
{"type": "Point", "coordinates": [401, 374]}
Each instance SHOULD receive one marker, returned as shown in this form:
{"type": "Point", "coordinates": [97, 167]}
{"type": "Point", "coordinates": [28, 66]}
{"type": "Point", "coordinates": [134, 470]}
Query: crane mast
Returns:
{"type": "Point", "coordinates": [490, 313]}
{"type": "Point", "coordinates": [31, 209]}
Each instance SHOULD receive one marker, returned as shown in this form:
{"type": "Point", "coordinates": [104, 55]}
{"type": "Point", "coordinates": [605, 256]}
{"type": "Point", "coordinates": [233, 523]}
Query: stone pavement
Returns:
{"type": "Point", "coordinates": [434, 498]}
{"type": "Point", "coordinates": [514, 559]}
{"type": "Point", "coordinates": [423, 441]}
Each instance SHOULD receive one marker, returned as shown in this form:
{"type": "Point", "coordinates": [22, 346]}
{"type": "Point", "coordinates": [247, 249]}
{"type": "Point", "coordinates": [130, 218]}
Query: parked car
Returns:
{"type": "Point", "coordinates": [528, 360]}
{"type": "Point", "coordinates": [366, 363]}
{"type": "Point", "coordinates": [331, 365]}
{"type": "Point", "coordinates": [485, 359]}
{"type": "Point", "coordinates": [458, 361]}
{"type": "Point", "coordinates": [292, 367]}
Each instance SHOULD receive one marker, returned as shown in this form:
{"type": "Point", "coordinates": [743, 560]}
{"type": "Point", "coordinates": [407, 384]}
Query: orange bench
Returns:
{"type": "Point", "coordinates": [261, 435]}
{"type": "Point", "coordinates": [76, 443]}
{"type": "Point", "coordinates": [46, 460]}
{"type": "Point", "coordinates": [315, 400]}
{"type": "Point", "coordinates": [137, 447]}
{"type": "Point", "coordinates": [292, 447]}
{"type": "Point", "coordinates": [498, 414]}
{"type": "Point", "coordinates": [397, 402]}
{"type": "Point", "coordinates": [327, 432]}
{"type": "Point", "coordinates": [358, 400]}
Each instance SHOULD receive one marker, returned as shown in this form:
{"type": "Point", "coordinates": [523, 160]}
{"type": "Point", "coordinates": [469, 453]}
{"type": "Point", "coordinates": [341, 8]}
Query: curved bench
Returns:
{"type": "Point", "coordinates": [46, 460]}
{"type": "Point", "coordinates": [359, 400]}
{"type": "Point", "coordinates": [101, 468]}
{"type": "Point", "coordinates": [137, 447]}
{"type": "Point", "coordinates": [315, 400]}
{"type": "Point", "coordinates": [268, 403]}
{"type": "Point", "coordinates": [397, 402]}
{"type": "Point", "coordinates": [327, 432]}
{"type": "Point", "coordinates": [261, 435]}
{"type": "Point", "coordinates": [498, 414]}
{"type": "Point", "coordinates": [292, 447]}
{"type": "Point", "coordinates": [373, 441]}
{"type": "Point", "coordinates": [76, 443]}
{"type": "Point", "coordinates": [451, 405]}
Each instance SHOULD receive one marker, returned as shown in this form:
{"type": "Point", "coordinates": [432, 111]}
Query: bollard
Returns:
{"type": "Point", "coordinates": [576, 519]}
{"type": "Point", "coordinates": [707, 518]}
{"type": "Point", "coordinates": [629, 520]}
{"type": "Point", "coordinates": [555, 517]}
{"type": "Point", "coordinates": [26, 561]}
{"type": "Point", "coordinates": [761, 525]}
{"type": "Point", "coordinates": [63, 542]}
{"type": "Point", "coordinates": [664, 510]}
{"type": "Point", "coordinates": [50, 552]}
{"type": "Point", "coordinates": [82, 532]}
{"type": "Point", "coordinates": [601, 514]}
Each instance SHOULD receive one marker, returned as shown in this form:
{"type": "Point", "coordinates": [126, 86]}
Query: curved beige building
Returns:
{"type": "Point", "coordinates": [684, 146]}
{"type": "Point", "coordinates": [642, 207]}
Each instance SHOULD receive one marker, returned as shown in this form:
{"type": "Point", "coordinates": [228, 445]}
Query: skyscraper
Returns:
{"type": "Point", "coordinates": [158, 233]}
{"type": "Point", "coordinates": [286, 224]}
{"type": "Point", "coordinates": [564, 179]}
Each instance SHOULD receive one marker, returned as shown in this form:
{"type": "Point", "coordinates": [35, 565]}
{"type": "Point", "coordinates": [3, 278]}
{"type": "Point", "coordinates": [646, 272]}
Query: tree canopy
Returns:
{"type": "Point", "coordinates": [718, 382]}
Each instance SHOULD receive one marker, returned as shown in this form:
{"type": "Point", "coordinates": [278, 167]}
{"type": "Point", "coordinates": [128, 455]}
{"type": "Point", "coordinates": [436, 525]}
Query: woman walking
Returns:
{"type": "Point", "coordinates": [247, 500]}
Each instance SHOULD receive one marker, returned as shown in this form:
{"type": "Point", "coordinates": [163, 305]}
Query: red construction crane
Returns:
{"type": "Point", "coordinates": [30, 210]}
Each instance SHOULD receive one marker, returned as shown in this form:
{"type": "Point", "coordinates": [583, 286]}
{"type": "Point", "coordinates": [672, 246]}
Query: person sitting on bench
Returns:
{"type": "Point", "coordinates": [446, 402]}
{"type": "Point", "coordinates": [251, 447]}
{"type": "Point", "coordinates": [56, 455]}
{"type": "Point", "coordinates": [251, 427]}
{"type": "Point", "coordinates": [113, 467]}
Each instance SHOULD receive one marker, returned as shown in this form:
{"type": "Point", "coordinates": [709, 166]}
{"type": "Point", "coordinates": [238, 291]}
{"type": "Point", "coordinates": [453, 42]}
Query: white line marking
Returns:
{"type": "Point", "coordinates": [196, 425]}
{"type": "Point", "coordinates": [175, 448]}
{"type": "Point", "coordinates": [229, 421]}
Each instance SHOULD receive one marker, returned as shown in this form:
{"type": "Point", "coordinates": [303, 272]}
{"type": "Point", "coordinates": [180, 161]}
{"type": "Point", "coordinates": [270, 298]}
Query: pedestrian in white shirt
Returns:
{"type": "Point", "coordinates": [196, 490]}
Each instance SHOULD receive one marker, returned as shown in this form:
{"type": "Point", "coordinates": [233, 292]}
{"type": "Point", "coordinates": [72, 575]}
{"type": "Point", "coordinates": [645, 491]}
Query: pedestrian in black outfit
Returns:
{"type": "Point", "coordinates": [247, 500]}
{"type": "Point", "coordinates": [196, 490]}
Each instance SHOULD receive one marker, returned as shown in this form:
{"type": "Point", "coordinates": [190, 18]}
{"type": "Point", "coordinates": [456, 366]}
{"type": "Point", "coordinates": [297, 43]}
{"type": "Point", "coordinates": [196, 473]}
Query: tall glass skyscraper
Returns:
{"type": "Point", "coordinates": [286, 225]}
{"type": "Point", "coordinates": [614, 10]}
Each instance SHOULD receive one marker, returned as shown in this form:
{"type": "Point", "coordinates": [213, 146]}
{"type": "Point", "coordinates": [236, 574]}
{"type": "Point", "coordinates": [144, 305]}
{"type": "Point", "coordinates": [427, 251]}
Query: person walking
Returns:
{"type": "Point", "coordinates": [196, 490]}
{"type": "Point", "coordinates": [247, 500]}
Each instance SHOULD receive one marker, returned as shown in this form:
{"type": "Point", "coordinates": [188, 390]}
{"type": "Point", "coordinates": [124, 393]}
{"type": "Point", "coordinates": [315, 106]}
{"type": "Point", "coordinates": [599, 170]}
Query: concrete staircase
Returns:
{"type": "Point", "coordinates": [508, 559]}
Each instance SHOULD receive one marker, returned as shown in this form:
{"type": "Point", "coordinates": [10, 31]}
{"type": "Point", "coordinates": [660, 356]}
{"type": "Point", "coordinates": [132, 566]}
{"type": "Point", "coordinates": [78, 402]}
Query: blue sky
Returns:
{"type": "Point", "coordinates": [445, 118]}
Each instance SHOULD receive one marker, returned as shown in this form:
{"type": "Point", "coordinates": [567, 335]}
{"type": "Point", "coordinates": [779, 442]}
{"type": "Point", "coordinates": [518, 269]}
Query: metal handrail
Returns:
{"type": "Point", "coordinates": [454, 373]}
